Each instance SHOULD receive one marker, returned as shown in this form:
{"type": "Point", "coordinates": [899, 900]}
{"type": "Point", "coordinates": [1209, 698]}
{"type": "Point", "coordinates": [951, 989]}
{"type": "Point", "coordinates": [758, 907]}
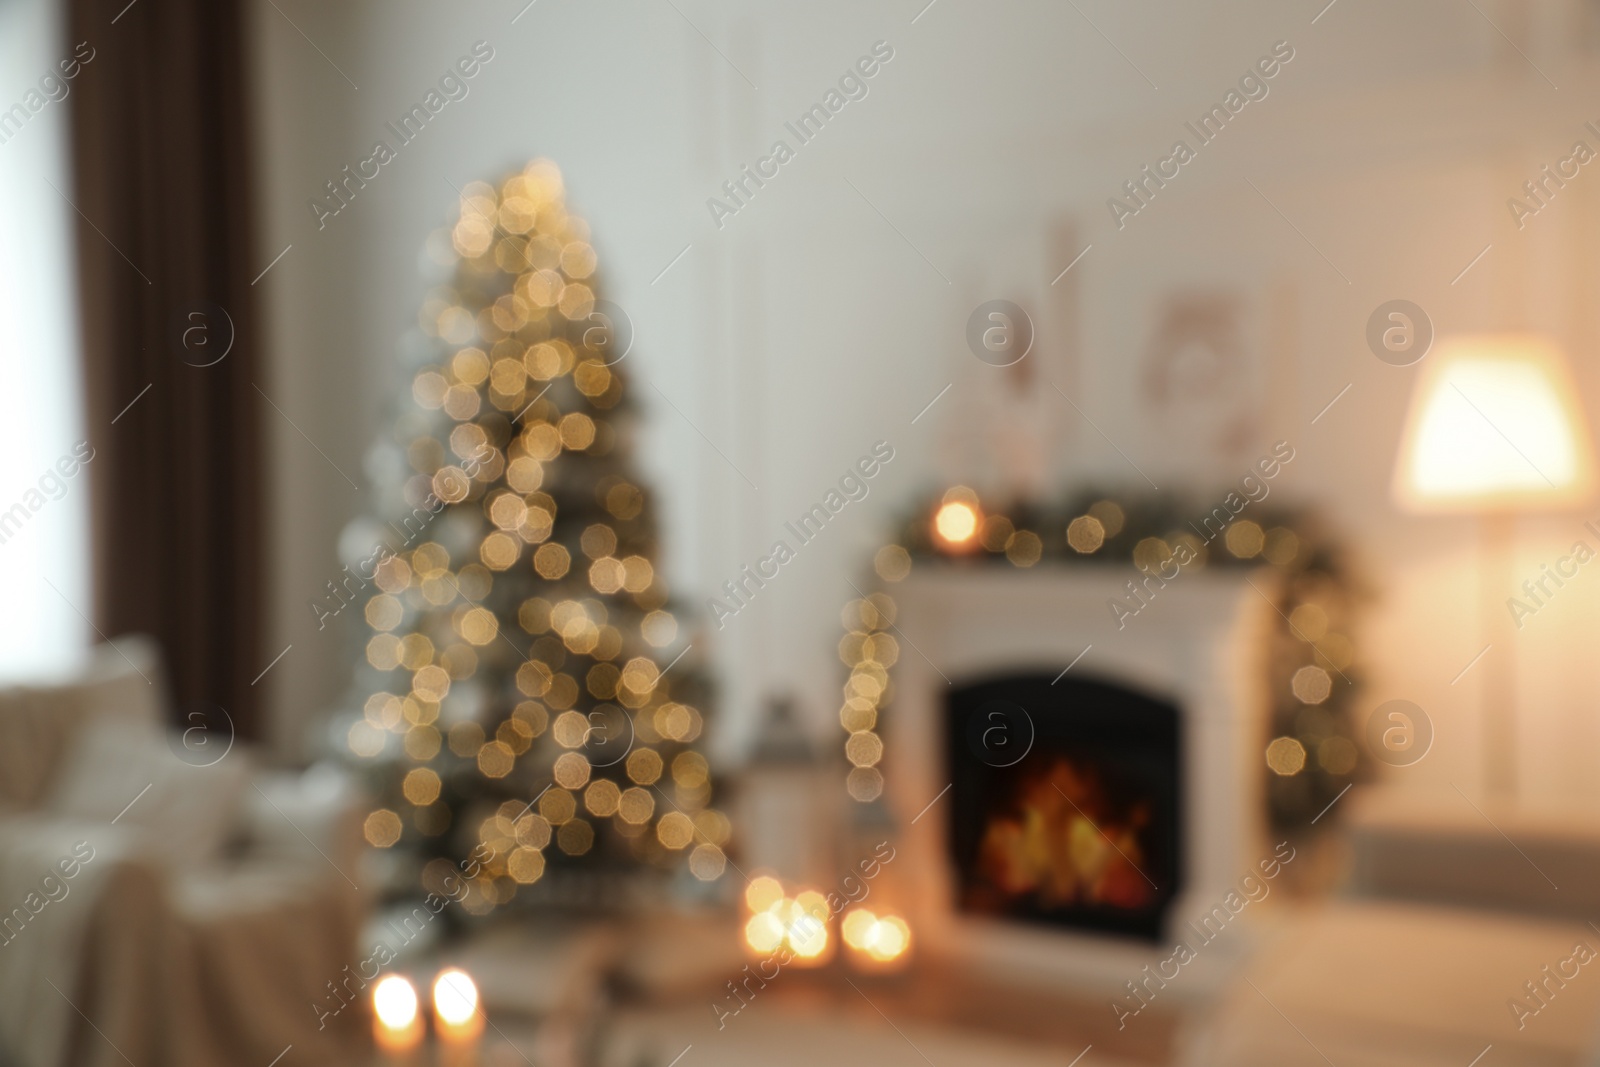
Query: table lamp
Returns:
{"type": "Point", "coordinates": [1495, 429]}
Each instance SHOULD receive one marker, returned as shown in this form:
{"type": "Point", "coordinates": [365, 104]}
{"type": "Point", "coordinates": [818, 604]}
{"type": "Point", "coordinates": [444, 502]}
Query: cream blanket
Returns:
{"type": "Point", "coordinates": [45, 918]}
{"type": "Point", "coordinates": [122, 964]}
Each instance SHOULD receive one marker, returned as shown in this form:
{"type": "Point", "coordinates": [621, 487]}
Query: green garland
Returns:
{"type": "Point", "coordinates": [1313, 754]}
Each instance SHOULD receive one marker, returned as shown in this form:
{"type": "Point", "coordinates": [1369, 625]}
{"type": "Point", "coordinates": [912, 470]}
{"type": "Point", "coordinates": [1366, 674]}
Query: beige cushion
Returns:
{"type": "Point", "coordinates": [39, 719]}
{"type": "Point", "coordinates": [127, 772]}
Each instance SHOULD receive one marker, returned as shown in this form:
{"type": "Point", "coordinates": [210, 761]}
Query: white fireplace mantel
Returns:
{"type": "Point", "coordinates": [1201, 643]}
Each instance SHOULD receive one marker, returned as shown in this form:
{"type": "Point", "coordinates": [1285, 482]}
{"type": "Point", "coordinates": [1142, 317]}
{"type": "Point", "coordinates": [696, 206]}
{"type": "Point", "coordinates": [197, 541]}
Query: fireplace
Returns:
{"type": "Point", "coordinates": [1157, 733]}
{"type": "Point", "coordinates": [1064, 803]}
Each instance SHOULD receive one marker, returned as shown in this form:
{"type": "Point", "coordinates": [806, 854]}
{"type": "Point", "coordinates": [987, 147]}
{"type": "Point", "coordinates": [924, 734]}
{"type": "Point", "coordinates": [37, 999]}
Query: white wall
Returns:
{"type": "Point", "coordinates": [808, 327]}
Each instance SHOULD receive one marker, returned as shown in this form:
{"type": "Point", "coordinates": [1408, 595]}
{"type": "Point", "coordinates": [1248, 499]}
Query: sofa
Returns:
{"type": "Point", "coordinates": [166, 898]}
{"type": "Point", "coordinates": [1466, 936]}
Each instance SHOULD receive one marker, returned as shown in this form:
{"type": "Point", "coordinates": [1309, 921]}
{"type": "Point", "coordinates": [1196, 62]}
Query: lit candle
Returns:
{"type": "Point", "coordinates": [396, 1023]}
{"type": "Point", "coordinates": [878, 944]}
{"type": "Point", "coordinates": [457, 1020]}
{"type": "Point", "coordinates": [806, 929]}
{"type": "Point", "coordinates": [795, 926]}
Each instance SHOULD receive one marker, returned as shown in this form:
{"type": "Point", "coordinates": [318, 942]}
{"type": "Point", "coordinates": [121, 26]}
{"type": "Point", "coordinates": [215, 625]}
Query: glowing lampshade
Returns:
{"type": "Point", "coordinates": [1495, 425]}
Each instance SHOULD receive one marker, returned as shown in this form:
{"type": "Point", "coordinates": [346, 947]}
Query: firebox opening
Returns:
{"type": "Point", "coordinates": [1065, 803]}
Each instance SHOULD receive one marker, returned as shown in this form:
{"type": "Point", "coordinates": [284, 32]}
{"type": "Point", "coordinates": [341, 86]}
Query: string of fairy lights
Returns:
{"type": "Point", "coordinates": [518, 704]}
{"type": "Point", "coordinates": [1310, 749]}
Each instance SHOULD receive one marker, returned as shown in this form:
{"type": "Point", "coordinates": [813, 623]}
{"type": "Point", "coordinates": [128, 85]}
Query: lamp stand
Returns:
{"type": "Point", "coordinates": [1500, 666]}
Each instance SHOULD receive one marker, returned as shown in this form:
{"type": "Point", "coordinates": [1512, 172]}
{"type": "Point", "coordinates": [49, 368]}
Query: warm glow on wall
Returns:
{"type": "Point", "coordinates": [1495, 424]}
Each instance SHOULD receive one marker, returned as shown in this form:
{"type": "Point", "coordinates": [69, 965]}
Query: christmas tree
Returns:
{"type": "Point", "coordinates": [525, 712]}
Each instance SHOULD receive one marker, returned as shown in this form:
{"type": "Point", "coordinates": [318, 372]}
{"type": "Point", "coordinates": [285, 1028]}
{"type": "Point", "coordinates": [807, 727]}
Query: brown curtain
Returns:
{"type": "Point", "coordinates": [161, 183]}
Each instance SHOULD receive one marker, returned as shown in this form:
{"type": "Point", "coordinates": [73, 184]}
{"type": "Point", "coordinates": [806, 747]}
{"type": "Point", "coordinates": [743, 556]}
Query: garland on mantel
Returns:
{"type": "Point", "coordinates": [1312, 754]}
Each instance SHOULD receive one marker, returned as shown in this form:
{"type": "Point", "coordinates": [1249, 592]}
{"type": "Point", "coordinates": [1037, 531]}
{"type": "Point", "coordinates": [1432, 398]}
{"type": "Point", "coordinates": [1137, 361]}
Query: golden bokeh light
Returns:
{"type": "Point", "coordinates": [865, 784]}
{"type": "Point", "coordinates": [644, 766]}
{"type": "Point", "coordinates": [864, 749]}
{"type": "Point", "coordinates": [571, 729]}
{"type": "Point", "coordinates": [764, 932]}
{"type": "Point", "coordinates": [421, 786]}
{"type": "Point", "coordinates": [1110, 516]}
{"type": "Point", "coordinates": [365, 739]}
{"type": "Point", "coordinates": [690, 770]}
{"type": "Point", "coordinates": [382, 828]}
{"type": "Point", "coordinates": [1085, 534]}
{"type": "Point", "coordinates": [762, 893]}
{"type": "Point", "coordinates": [1282, 546]}
{"type": "Point", "coordinates": [571, 771]}
{"type": "Point", "coordinates": [495, 759]}
{"type": "Point", "coordinates": [636, 805]}
{"type": "Point", "coordinates": [956, 523]}
{"type": "Point", "coordinates": [558, 806]}
{"type": "Point", "coordinates": [1245, 539]}
{"type": "Point", "coordinates": [1286, 756]}
{"type": "Point", "coordinates": [674, 830]}
{"type": "Point", "coordinates": [1151, 554]}
{"type": "Point", "coordinates": [575, 837]}
{"type": "Point", "coordinates": [659, 628]}
{"type": "Point", "coordinates": [531, 830]}
{"type": "Point", "coordinates": [892, 563]}
{"type": "Point", "coordinates": [1024, 548]}
{"type": "Point", "coordinates": [384, 612]}
{"type": "Point", "coordinates": [1337, 755]}
{"type": "Point", "coordinates": [1311, 685]}
{"type": "Point", "coordinates": [551, 561]}
{"type": "Point", "coordinates": [707, 862]}
{"type": "Point", "coordinates": [602, 798]}
{"type": "Point", "coordinates": [1308, 622]}
{"type": "Point", "coordinates": [525, 865]}
{"type": "Point", "coordinates": [422, 742]}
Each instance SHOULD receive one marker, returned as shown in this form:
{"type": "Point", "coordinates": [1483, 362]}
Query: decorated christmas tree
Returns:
{"type": "Point", "coordinates": [523, 709]}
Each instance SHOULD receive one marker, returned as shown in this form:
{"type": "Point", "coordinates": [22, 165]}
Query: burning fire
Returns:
{"type": "Point", "coordinates": [1064, 842]}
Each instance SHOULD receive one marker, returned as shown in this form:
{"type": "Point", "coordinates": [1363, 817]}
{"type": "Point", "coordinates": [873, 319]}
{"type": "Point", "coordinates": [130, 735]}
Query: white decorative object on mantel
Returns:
{"type": "Point", "coordinates": [1201, 643]}
{"type": "Point", "coordinates": [786, 802]}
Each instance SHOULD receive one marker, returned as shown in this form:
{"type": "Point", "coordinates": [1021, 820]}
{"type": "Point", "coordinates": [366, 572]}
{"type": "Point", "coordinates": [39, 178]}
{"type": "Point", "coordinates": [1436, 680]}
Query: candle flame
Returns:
{"type": "Point", "coordinates": [395, 1001]}
{"type": "Point", "coordinates": [455, 998]}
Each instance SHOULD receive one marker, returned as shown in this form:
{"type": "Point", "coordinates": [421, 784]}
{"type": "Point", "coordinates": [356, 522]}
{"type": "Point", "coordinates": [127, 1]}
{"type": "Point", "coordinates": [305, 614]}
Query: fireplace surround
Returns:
{"type": "Point", "coordinates": [1152, 739]}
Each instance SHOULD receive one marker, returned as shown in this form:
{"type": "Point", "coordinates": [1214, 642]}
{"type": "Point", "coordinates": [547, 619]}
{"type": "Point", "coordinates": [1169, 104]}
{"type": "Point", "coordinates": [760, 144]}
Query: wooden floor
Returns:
{"type": "Point", "coordinates": [924, 1017]}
